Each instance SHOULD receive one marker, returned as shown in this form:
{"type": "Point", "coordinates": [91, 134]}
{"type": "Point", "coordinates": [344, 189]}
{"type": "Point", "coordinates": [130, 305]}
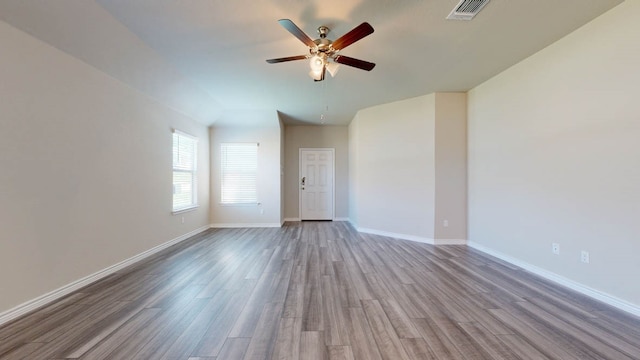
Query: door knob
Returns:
{"type": "Point", "coordinates": [303, 180]}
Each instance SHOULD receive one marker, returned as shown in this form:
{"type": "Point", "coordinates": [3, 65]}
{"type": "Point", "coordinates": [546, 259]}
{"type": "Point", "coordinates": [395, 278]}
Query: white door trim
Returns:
{"type": "Point", "coordinates": [333, 185]}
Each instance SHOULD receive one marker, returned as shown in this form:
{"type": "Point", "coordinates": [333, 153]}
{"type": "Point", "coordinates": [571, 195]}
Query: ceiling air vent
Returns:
{"type": "Point", "coordinates": [467, 9]}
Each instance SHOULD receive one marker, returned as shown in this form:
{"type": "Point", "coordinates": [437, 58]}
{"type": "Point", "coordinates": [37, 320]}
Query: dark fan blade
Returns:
{"type": "Point", "coordinates": [349, 61]}
{"type": "Point", "coordinates": [290, 58]}
{"type": "Point", "coordinates": [352, 36]}
{"type": "Point", "coordinates": [295, 30]}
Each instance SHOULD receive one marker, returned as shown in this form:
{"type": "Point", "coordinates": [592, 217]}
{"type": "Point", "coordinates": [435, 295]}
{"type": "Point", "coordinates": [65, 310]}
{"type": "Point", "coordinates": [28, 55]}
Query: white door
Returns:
{"type": "Point", "coordinates": [316, 184]}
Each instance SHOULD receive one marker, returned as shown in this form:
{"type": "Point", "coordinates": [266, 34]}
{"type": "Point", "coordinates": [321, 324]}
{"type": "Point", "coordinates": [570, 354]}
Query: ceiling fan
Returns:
{"type": "Point", "coordinates": [324, 53]}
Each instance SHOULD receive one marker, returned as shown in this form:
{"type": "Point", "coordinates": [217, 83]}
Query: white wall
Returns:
{"type": "Point", "coordinates": [269, 168]}
{"type": "Point", "coordinates": [392, 168]}
{"type": "Point", "coordinates": [297, 137]}
{"type": "Point", "coordinates": [554, 157]}
{"type": "Point", "coordinates": [85, 179]}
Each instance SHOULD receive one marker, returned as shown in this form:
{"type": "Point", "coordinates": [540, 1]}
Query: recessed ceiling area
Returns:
{"type": "Point", "coordinates": [206, 58]}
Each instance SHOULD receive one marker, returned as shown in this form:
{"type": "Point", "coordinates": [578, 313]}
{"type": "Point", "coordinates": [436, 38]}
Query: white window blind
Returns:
{"type": "Point", "coordinates": [239, 168]}
{"type": "Point", "coordinates": [184, 171]}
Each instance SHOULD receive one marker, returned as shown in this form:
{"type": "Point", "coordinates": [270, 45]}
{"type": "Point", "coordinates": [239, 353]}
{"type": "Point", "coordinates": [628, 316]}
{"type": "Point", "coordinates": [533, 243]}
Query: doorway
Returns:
{"type": "Point", "coordinates": [316, 184]}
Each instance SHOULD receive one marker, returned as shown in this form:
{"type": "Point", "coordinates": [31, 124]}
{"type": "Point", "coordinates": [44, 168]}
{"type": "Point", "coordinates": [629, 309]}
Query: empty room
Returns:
{"type": "Point", "coordinates": [357, 180]}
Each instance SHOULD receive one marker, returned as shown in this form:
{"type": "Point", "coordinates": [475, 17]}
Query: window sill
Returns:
{"type": "Point", "coordinates": [184, 210]}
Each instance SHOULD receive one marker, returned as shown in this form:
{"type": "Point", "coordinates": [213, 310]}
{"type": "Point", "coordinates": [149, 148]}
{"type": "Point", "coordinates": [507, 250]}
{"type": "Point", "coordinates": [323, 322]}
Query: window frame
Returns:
{"type": "Point", "coordinates": [232, 201]}
{"type": "Point", "coordinates": [193, 170]}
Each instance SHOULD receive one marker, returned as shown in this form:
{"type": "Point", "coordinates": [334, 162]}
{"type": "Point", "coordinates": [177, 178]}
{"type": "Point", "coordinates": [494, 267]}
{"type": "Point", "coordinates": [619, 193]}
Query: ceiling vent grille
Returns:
{"type": "Point", "coordinates": [467, 9]}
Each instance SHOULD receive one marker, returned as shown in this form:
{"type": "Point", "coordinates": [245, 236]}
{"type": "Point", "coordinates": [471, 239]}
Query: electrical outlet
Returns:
{"type": "Point", "coordinates": [584, 257]}
{"type": "Point", "coordinates": [445, 223]}
{"type": "Point", "coordinates": [183, 219]}
{"type": "Point", "coordinates": [555, 248]}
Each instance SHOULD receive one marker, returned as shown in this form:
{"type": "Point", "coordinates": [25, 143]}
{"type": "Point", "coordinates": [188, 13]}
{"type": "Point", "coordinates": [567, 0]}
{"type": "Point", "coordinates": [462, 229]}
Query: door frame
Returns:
{"type": "Point", "coordinates": [333, 179]}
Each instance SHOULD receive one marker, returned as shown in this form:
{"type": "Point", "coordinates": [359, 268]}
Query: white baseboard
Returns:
{"type": "Point", "coordinates": [256, 225]}
{"type": "Point", "coordinates": [396, 235]}
{"type": "Point", "coordinates": [573, 285]}
{"type": "Point", "coordinates": [450, 242]}
{"type": "Point", "coordinates": [415, 238]}
{"type": "Point", "coordinates": [298, 219]}
{"type": "Point", "coordinates": [45, 299]}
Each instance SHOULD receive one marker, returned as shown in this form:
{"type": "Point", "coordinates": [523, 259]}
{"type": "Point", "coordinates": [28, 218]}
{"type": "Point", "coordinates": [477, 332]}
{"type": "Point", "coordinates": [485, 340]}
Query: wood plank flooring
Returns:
{"type": "Point", "coordinates": [320, 290]}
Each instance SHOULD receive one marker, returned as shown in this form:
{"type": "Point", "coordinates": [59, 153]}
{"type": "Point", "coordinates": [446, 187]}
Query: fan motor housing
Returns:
{"type": "Point", "coordinates": [323, 43]}
{"type": "Point", "coordinates": [323, 47]}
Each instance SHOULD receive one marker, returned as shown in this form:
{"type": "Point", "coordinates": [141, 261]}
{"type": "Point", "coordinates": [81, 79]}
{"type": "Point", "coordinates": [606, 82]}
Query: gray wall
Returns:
{"type": "Point", "coordinates": [392, 169]}
{"type": "Point", "coordinates": [86, 173]}
{"type": "Point", "coordinates": [451, 166]}
{"type": "Point", "coordinates": [407, 170]}
{"type": "Point", "coordinates": [267, 212]}
{"type": "Point", "coordinates": [297, 137]}
{"type": "Point", "coordinates": [554, 157]}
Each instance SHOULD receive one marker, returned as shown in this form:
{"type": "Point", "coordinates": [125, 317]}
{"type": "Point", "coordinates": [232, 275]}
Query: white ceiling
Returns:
{"type": "Point", "coordinates": [206, 58]}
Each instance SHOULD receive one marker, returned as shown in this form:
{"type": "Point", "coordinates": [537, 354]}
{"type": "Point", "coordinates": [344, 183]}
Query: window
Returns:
{"type": "Point", "coordinates": [239, 168]}
{"type": "Point", "coordinates": [184, 171]}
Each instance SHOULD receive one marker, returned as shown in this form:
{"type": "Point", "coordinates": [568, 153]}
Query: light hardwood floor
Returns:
{"type": "Point", "coordinates": [320, 290]}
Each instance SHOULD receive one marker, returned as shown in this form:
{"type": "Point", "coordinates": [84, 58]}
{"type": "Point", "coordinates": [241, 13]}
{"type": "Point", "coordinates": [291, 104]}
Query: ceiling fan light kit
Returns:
{"type": "Point", "coordinates": [323, 53]}
{"type": "Point", "coordinates": [317, 65]}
